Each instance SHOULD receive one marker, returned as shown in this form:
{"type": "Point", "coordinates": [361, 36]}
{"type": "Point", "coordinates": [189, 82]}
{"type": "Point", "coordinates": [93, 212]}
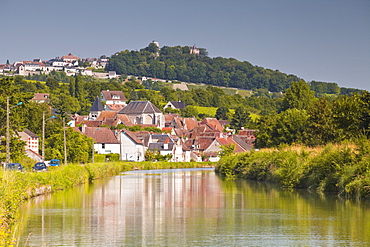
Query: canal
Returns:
{"type": "Point", "coordinates": [191, 207]}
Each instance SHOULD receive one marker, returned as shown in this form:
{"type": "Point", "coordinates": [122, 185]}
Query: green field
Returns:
{"type": "Point", "coordinates": [228, 91]}
{"type": "Point", "coordinates": [209, 110]}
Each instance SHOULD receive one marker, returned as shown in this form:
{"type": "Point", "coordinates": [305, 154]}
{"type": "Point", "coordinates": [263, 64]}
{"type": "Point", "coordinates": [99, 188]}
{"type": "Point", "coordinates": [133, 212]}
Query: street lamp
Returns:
{"type": "Point", "coordinates": [93, 150]}
{"type": "Point", "coordinates": [7, 159]}
{"type": "Point", "coordinates": [43, 134]}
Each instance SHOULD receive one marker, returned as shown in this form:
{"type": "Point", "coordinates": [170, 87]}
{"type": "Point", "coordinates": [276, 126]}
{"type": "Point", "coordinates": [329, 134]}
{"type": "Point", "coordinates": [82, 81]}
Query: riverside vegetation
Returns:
{"type": "Point", "coordinates": [17, 187]}
{"type": "Point", "coordinates": [342, 168]}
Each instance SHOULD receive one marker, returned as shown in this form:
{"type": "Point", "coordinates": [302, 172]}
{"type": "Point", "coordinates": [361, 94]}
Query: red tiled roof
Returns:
{"type": "Point", "coordinates": [190, 123]}
{"type": "Point", "coordinates": [247, 132]}
{"type": "Point", "coordinates": [182, 132]}
{"type": "Point", "coordinates": [106, 115]}
{"type": "Point", "coordinates": [227, 141]}
{"type": "Point", "coordinates": [205, 142]}
{"type": "Point", "coordinates": [115, 107]}
{"type": "Point", "coordinates": [90, 123]}
{"type": "Point", "coordinates": [124, 119]}
{"type": "Point", "coordinates": [213, 123]}
{"type": "Point", "coordinates": [133, 136]}
{"type": "Point", "coordinates": [70, 56]}
{"type": "Point", "coordinates": [114, 95]}
{"type": "Point", "coordinates": [168, 117]}
{"type": "Point", "coordinates": [101, 135]}
{"type": "Point", "coordinates": [41, 96]}
{"type": "Point", "coordinates": [80, 119]}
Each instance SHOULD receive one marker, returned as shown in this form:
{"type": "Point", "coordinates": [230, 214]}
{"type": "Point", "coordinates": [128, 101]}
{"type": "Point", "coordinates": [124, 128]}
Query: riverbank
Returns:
{"type": "Point", "coordinates": [342, 168]}
{"type": "Point", "coordinates": [17, 187]}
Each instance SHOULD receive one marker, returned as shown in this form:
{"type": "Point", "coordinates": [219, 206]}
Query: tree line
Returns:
{"type": "Point", "coordinates": [305, 119]}
{"type": "Point", "coordinates": [176, 63]}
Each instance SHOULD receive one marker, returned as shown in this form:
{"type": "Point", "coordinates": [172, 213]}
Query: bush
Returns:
{"type": "Point", "coordinates": [343, 168]}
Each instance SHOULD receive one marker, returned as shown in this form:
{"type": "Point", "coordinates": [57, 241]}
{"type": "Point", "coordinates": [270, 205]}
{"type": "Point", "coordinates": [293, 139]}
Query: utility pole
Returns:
{"type": "Point", "coordinates": [7, 149]}
{"type": "Point", "coordinates": [7, 132]}
{"type": "Point", "coordinates": [93, 149]}
{"type": "Point", "coordinates": [65, 142]}
{"type": "Point", "coordinates": [43, 136]}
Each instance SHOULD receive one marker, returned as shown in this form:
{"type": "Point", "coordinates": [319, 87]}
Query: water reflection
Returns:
{"type": "Point", "coordinates": [191, 207]}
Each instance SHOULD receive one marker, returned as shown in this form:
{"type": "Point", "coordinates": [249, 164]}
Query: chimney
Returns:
{"type": "Point", "coordinates": [83, 128]}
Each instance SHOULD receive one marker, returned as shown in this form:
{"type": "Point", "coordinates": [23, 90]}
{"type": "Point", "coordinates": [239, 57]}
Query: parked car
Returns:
{"type": "Point", "coordinates": [39, 167]}
{"type": "Point", "coordinates": [54, 162]}
{"type": "Point", "coordinates": [14, 166]}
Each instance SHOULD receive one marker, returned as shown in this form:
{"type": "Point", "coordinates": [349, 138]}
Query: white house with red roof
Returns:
{"type": "Point", "coordinates": [70, 58]}
{"type": "Point", "coordinates": [105, 142]}
{"type": "Point", "coordinates": [41, 97]}
{"type": "Point", "coordinates": [31, 139]}
{"type": "Point", "coordinates": [132, 147]}
{"type": "Point", "coordinates": [114, 100]}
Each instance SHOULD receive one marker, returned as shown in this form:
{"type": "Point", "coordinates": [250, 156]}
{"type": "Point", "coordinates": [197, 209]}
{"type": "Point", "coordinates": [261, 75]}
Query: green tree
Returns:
{"type": "Point", "coordinates": [222, 113]}
{"type": "Point", "coordinates": [288, 127]}
{"type": "Point", "coordinates": [72, 86]}
{"type": "Point", "coordinates": [17, 115]}
{"type": "Point", "coordinates": [189, 111]}
{"type": "Point", "coordinates": [65, 104]}
{"type": "Point", "coordinates": [227, 150]}
{"type": "Point", "coordinates": [239, 118]}
{"type": "Point", "coordinates": [169, 93]}
{"type": "Point", "coordinates": [347, 115]}
{"type": "Point", "coordinates": [298, 96]}
{"type": "Point", "coordinates": [52, 83]}
{"type": "Point", "coordinates": [79, 146]}
{"type": "Point", "coordinates": [365, 112]}
{"type": "Point", "coordinates": [321, 128]}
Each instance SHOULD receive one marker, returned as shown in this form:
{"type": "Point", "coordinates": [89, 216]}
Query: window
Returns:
{"type": "Point", "coordinates": [103, 145]}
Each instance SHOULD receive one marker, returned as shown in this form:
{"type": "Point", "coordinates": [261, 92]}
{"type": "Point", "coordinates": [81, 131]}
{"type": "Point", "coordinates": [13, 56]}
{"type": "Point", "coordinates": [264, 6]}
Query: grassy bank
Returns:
{"type": "Point", "coordinates": [17, 187]}
{"type": "Point", "coordinates": [342, 168]}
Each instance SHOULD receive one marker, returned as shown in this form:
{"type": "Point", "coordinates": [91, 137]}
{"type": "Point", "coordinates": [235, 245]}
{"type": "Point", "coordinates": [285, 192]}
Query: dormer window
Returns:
{"type": "Point", "coordinates": [115, 97]}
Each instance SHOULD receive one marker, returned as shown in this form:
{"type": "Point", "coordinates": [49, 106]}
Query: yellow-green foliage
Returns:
{"type": "Point", "coordinates": [34, 81]}
{"type": "Point", "coordinates": [254, 117]}
{"type": "Point", "coordinates": [342, 168]}
{"type": "Point", "coordinates": [210, 110]}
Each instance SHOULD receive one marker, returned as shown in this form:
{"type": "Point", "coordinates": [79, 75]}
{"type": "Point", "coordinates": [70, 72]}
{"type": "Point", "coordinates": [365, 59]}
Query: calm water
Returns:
{"type": "Point", "coordinates": [191, 207]}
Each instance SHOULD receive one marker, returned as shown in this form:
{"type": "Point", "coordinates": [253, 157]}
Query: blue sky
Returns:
{"type": "Point", "coordinates": [322, 40]}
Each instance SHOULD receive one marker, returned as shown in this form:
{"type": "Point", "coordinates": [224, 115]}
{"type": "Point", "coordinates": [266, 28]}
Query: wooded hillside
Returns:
{"type": "Point", "coordinates": [177, 63]}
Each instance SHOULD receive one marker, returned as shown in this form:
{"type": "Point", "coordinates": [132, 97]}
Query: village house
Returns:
{"type": "Point", "coordinates": [31, 139]}
{"type": "Point", "coordinates": [175, 105]}
{"type": "Point", "coordinates": [41, 97]}
{"type": "Point", "coordinates": [165, 144]}
{"type": "Point", "coordinates": [32, 144]}
{"type": "Point", "coordinates": [105, 140]}
{"type": "Point", "coordinates": [132, 147]}
{"type": "Point", "coordinates": [114, 100]}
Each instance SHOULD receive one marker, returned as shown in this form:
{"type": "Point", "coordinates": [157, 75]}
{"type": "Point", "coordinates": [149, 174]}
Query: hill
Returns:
{"type": "Point", "coordinates": [192, 64]}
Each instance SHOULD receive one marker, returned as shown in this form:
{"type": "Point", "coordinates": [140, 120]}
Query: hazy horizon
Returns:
{"type": "Point", "coordinates": [315, 40]}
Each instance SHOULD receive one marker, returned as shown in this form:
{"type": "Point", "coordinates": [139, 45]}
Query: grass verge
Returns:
{"type": "Point", "coordinates": [342, 168]}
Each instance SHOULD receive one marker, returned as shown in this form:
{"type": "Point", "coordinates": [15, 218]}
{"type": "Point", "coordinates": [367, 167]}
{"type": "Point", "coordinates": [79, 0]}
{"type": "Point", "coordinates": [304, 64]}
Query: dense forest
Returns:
{"type": "Point", "coordinates": [177, 63]}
